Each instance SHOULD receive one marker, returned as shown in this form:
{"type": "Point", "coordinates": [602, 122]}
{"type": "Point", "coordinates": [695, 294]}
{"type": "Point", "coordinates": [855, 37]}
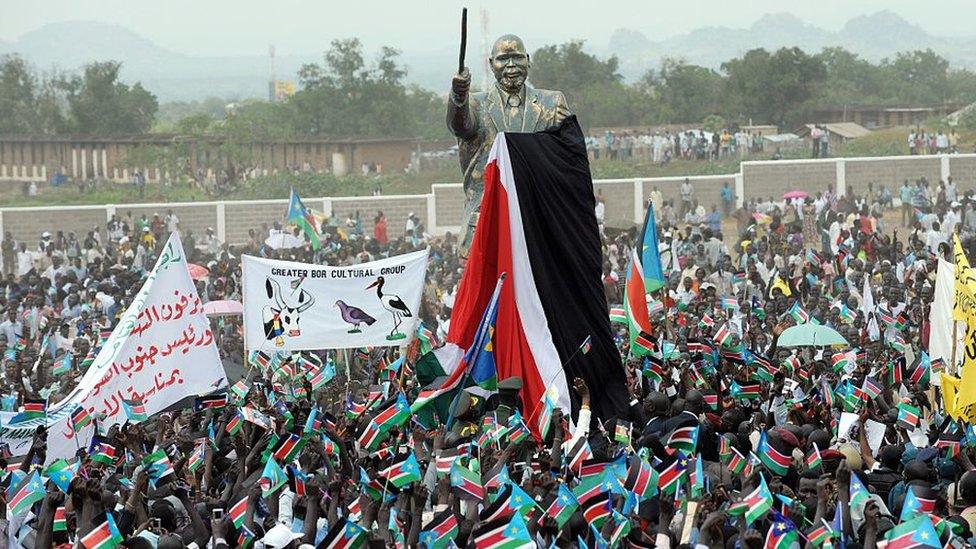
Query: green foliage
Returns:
{"type": "Point", "coordinates": [592, 86]}
{"type": "Point", "coordinates": [93, 102]}
{"type": "Point", "coordinates": [773, 87]}
{"type": "Point", "coordinates": [18, 95]}
{"type": "Point", "coordinates": [30, 104]}
{"type": "Point", "coordinates": [99, 104]}
{"type": "Point", "coordinates": [194, 124]}
{"type": "Point", "coordinates": [918, 76]}
{"type": "Point", "coordinates": [343, 96]}
{"type": "Point", "coordinates": [878, 143]}
{"type": "Point", "coordinates": [685, 92]}
{"type": "Point", "coordinates": [713, 123]}
{"type": "Point", "coordinates": [171, 113]}
{"type": "Point", "coordinates": [781, 87]}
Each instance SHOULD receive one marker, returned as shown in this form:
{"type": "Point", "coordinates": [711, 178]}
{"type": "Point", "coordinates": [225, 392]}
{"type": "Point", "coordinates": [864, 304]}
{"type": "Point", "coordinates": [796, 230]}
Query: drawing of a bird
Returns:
{"type": "Point", "coordinates": [354, 316]}
{"type": "Point", "coordinates": [391, 303]}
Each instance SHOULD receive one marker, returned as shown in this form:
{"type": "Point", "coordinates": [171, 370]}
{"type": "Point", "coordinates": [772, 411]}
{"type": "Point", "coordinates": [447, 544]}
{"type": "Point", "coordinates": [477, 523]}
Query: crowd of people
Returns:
{"type": "Point", "coordinates": [733, 438]}
{"type": "Point", "coordinates": [922, 141]}
{"type": "Point", "coordinates": [661, 147]}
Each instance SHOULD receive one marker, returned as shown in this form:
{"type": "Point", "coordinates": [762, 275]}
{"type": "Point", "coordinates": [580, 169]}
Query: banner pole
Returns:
{"type": "Point", "coordinates": [952, 361]}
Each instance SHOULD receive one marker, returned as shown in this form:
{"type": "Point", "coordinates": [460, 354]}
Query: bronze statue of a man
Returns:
{"type": "Point", "coordinates": [511, 105]}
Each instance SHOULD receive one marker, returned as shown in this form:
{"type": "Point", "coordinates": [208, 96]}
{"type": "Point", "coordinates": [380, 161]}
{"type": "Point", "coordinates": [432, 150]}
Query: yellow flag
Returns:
{"type": "Point", "coordinates": [967, 387]}
{"type": "Point", "coordinates": [965, 286]}
{"type": "Point", "coordinates": [950, 388]}
{"type": "Point", "coordinates": [782, 286]}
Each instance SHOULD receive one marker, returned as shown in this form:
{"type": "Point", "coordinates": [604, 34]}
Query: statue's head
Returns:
{"type": "Point", "coordinates": [510, 62]}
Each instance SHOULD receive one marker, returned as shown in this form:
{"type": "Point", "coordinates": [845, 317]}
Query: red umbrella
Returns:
{"type": "Point", "coordinates": [198, 272]}
{"type": "Point", "coordinates": [795, 194]}
{"type": "Point", "coordinates": [223, 307]}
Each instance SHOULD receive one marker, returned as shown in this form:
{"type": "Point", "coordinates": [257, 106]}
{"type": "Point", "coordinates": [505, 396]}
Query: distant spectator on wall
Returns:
{"type": "Point", "coordinates": [379, 228]}
{"type": "Point", "coordinates": [172, 222]}
{"type": "Point", "coordinates": [815, 139]}
{"type": "Point", "coordinates": [8, 253]}
{"type": "Point", "coordinates": [905, 194]}
{"type": "Point", "coordinates": [714, 219]}
{"type": "Point", "coordinates": [687, 194]}
{"type": "Point", "coordinates": [600, 210]}
{"type": "Point", "coordinates": [411, 224]}
{"type": "Point", "coordinates": [728, 197]}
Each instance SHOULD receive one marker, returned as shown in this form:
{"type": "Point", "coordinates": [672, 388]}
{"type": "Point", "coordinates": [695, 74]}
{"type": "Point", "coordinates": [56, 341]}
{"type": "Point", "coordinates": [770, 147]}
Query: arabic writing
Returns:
{"type": "Point", "coordinates": [147, 356]}
{"type": "Point", "coordinates": [181, 305]}
{"type": "Point", "coordinates": [111, 404]}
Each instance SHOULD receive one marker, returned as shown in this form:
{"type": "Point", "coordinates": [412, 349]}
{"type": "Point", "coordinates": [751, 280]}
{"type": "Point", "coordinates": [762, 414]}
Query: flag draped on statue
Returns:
{"type": "Point", "coordinates": [537, 224]}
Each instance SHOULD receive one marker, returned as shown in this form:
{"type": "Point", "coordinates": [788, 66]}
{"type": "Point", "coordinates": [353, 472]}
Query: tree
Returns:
{"type": "Point", "coordinates": [918, 77]}
{"type": "Point", "coordinates": [850, 80]}
{"type": "Point", "coordinates": [18, 96]}
{"type": "Point", "coordinates": [773, 88]}
{"type": "Point", "coordinates": [685, 93]}
{"type": "Point", "coordinates": [98, 103]}
{"type": "Point", "coordinates": [961, 86]}
{"type": "Point", "coordinates": [345, 97]}
{"type": "Point", "coordinates": [593, 87]}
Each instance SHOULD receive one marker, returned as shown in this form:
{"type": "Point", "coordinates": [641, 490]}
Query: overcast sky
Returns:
{"type": "Point", "coordinates": [236, 27]}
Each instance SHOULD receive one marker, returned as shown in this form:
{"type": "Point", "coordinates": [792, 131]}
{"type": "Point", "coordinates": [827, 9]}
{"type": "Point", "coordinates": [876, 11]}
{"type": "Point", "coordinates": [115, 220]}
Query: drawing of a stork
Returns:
{"type": "Point", "coordinates": [394, 305]}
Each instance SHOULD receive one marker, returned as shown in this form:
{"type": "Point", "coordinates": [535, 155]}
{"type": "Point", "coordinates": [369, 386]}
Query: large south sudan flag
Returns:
{"type": "Point", "coordinates": [537, 224]}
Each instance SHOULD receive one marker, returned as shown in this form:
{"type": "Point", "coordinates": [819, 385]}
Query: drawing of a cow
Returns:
{"type": "Point", "coordinates": [281, 318]}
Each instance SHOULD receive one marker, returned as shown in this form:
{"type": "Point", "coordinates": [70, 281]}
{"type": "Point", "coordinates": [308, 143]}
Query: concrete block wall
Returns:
{"type": "Point", "coordinates": [448, 206]}
{"type": "Point", "coordinates": [962, 168]}
{"type": "Point", "coordinates": [193, 217]}
{"type": "Point", "coordinates": [618, 199]}
{"type": "Point", "coordinates": [766, 178]}
{"type": "Point", "coordinates": [891, 172]}
{"type": "Point", "coordinates": [395, 208]}
{"type": "Point", "coordinates": [251, 214]}
{"type": "Point", "coordinates": [27, 224]}
{"type": "Point", "coordinates": [707, 188]}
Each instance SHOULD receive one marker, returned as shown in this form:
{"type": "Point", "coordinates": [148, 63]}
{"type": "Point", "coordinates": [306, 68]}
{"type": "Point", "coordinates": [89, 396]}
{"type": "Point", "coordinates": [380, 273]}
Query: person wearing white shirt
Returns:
{"type": "Point", "coordinates": [657, 200]}
{"type": "Point", "coordinates": [56, 269]}
{"type": "Point", "coordinates": [600, 211]}
{"type": "Point", "coordinates": [687, 193]}
{"type": "Point", "coordinates": [934, 237]}
{"type": "Point", "coordinates": [927, 220]}
{"type": "Point", "coordinates": [172, 222]}
{"type": "Point", "coordinates": [952, 218]}
{"type": "Point", "coordinates": [25, 260]}
{"type": "Point", "coordinates": [210, 242]}
{"type": "Point", "coordinates": [833, 233]}
{"type": "Point", "coordinates": [582, 427]}
{"type": "Point", "coordinates": [12, 328]}
{"type": "Point", "coordinates": [951, 191]}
